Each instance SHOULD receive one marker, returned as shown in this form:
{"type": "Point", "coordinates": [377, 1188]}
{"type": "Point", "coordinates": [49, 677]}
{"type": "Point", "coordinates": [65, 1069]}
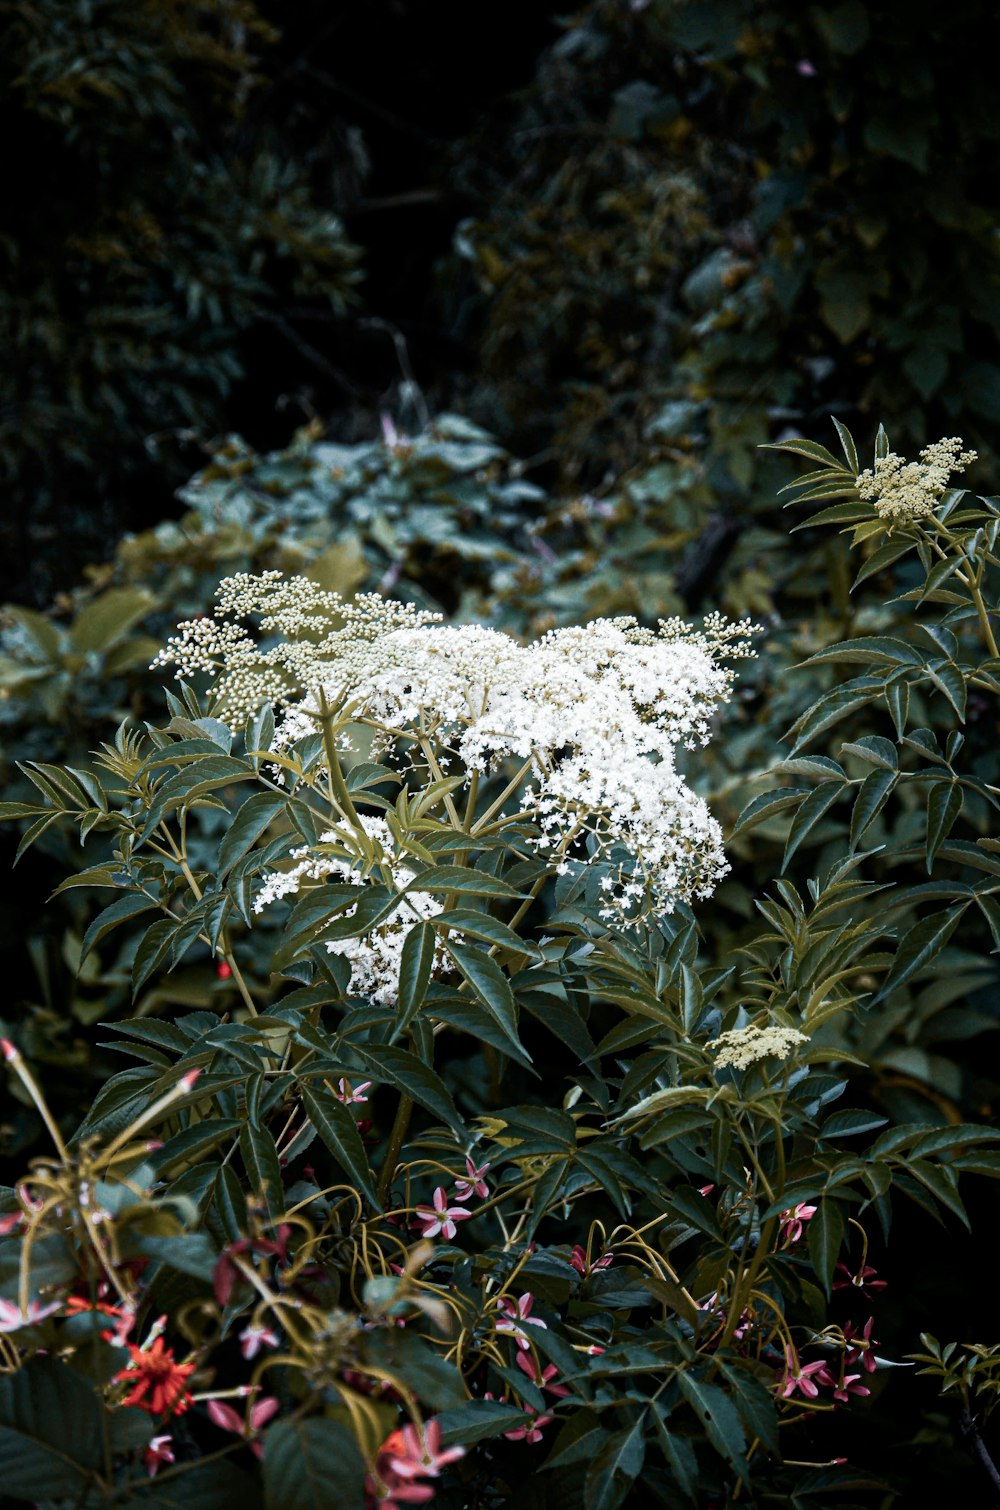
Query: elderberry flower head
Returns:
{"type": "Point", "coordinates": [741, 1047]}
{"type": "Point", "coordinates": [594, 714]}
{"type": "Point", "coordinates": [904, 491]}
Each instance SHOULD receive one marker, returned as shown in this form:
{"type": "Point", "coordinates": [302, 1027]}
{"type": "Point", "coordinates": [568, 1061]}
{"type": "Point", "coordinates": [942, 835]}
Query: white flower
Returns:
{"type": "Point", "coordinates": [741, 1047]}
{"type": "Point", "coordinates": [594, 714]}
{"type": "Point", "coordinates": [905, 491]}
{"type": "Point", "coordinates": [376, 956]}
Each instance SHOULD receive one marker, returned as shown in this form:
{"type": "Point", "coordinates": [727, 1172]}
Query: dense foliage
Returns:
{"type": "Point", "coordinates": [151, 217]}
{"type": "Point", "coordinates": [472, 1150]}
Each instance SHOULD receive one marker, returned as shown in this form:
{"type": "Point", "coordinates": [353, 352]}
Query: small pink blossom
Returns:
{"type": "Point", "coordinates": [421, 1456]}
{"type": "Point", "coordinates": [441, 1217]}
{"type": "Point", "coordinates": [350, 1097]}
{"type": "Point", "coordinates": [159, 1451]}
{"type": "Point", "coordinates": [253, 1338]}
{"type": "Point", "coordinates": [541, 1377]}
{"type": "Point", "coordinates": [532, 1430]}
{"type": "Point", "coordinates": [228, 1419]}
{"type": "Point", "coordinates": [861, 1348]}
{"type": "Point", "coordinates": [578, 1261]}
{"type": "Point", "coordinates": [844, 1387]}
{"type": "Point", "coordinates": [10, 1222]}
{"type": "Point", "coordinates": [793, 1222]}
{"type": "Point", "coordinates": [799, 1377]}
{"type": "Point", "coordinates": [475, 1182]}
{"type": "Point", "coordinates": [864, 1280]}
{"type": "Point", "coordinates": [512, 1315]}
{"type": "Point", "coordinates": [12, 1318]}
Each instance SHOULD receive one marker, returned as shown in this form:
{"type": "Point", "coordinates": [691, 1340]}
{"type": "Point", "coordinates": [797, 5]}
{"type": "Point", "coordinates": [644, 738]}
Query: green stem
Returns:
{"type": "Point", "coordinates": [397, 1136]}
{"type": "Point", "coordinates": [971, 581]}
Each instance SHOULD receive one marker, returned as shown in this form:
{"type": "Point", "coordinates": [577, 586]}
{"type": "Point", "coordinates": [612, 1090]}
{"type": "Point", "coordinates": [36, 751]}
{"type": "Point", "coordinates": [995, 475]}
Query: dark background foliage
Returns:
{"type": "Point", "coordinates": [631, 241]}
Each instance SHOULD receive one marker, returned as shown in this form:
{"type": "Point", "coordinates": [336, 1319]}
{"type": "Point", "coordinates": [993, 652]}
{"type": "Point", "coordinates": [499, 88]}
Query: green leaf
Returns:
{"type": "Point", "coordinates": [260, 1158]}
{"type": "Point", "coordinates": [126, 907]}
{"type": "Point", "coordinates": [415, 970]}
{"type": "Point", "coordinates": [477, 1420]}
{"type": "Point", "coordinates": [719, 1419]}
{"type": "Point", "coordinates": [877, 650]}
{"type": "Point", "coordinates": [481, 925]}
{"type": "Point", "coordinates": [768, 805]}
{"type": "Point", "coordinates": [850, 1121]}
{"type": "Point", "coordinates": [249, 823]}
{"type": "Point", "coordinates": [490, 987]}
{"type": "Point", "coordinates": [826, 1237]}
{"type": "Point", "coordinates": [50, 1432]}
{"type": "Point", "coordinates": [338, 1130]}
{"type": "Point", "coordinates": [464, 880]}
{"type": "Point", "coordinates": [310, 1464]}
{"type": "Point", "coordinates": [918, 947]}
{"type": "Point", "coordinates": [882, 558]}
{"type": "Point", "coordinates": [154, 946]}
{"type": "Point", "coordinates": [615, 1468]}
{"type": "Point", "coordinates": [809, 814]}
{"type": "Point", "coordinates": [949, 680]}
{"type": "Point", "coordinates": [871, 799]}
{"type": "Point", "coordinates": [809, 448]}
{"type": "Point", "coordinates": [944, 803]}
{"type": "Point", "coordinates": [189, 1252]}
{"type": "Point", "coordinates": [106, 619]}
{"type": "Point", "coordinates": [409, 1074]}
{"type": "Point", "coordinates": [847, 445]}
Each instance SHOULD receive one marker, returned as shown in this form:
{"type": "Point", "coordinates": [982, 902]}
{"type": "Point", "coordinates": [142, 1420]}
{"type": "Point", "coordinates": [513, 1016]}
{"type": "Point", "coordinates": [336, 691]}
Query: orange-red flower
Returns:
{"type": "Point", "coordinates": [160, 1382]}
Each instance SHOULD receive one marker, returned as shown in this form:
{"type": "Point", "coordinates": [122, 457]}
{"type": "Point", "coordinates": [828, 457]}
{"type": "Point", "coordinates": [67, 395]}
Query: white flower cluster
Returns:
{"type": "Point", "coordinates": [905, 491]}
{"type": "Point", "coordinates": [595, 714]}
{"type": "Point", "coordinates": [741, 1047]}
{"type": "Point", "coordinates": [375, 957]}
{"type": "Point", "coordinates": [322, 639]}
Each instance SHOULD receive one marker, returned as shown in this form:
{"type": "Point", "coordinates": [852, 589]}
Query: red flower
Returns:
{"type": "Point", "coordinates": [159, 1381]}
{"type": "Point", "coordinates": [223, 970]}
{"type": "Point", "coordinates": [406, 1455]}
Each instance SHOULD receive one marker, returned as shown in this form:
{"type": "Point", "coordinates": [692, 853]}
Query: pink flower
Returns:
{"type": "Point", "coordinates": [527, 1365]}
{"type": "Point", "coordinates": [348, 1096]}
{"type": "Point", "coordinates": [797, 1377]}
{"type": "Point", "coordinates": [532, 1430]}
{"type": "Point", "coordinates": [442, 1217]}
{"type": "Point", "coordinates": [578, 1260]}
{"type": "Point", "coordinates": [793, 1222]}
{"type": "Point", "coordinates": [844, 1387]}
{"type": "Point", "coordinates": [864, 1280]}
{"type": "Point", "coordinates": [475, 1182]}
{"type": "Point", "coordinates": [12, 1318]}
{"type": "Point", "coordinates": [862, 1345]}
{"type": "Point", "coordinates": [228, 1419]}
{"type": "Point", "coordinates": [511, 1315]}
{"type": "Point", "coordinates": [404, 1456]}
{"type": "Point", "coordinates": [159, 1451]}
{"type": "Point", "coordinates": [10, 1222]}
{"type": "Point", "coordinates": [253, 1338]}
{"type": "Point", "coordinates": [420, 1456]}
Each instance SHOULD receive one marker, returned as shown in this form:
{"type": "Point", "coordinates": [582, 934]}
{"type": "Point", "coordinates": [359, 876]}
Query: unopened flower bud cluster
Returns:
{"type": "Point", "coordinates": [596, 714]}
{"type": "Point", "coordinates": [904, 491]}
{"type": "Point", "coordinates": [742, 1047]}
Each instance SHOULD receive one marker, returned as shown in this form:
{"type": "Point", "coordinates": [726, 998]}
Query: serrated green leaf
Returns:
{"type": "Point", "coordinates": [918, 947]}
{"type": "Point", "coordinates": [873, 794]}
{"type": "Point", "coordinates": [415, 965]}
{"type": "Point", "coordinates": [255, 815]}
